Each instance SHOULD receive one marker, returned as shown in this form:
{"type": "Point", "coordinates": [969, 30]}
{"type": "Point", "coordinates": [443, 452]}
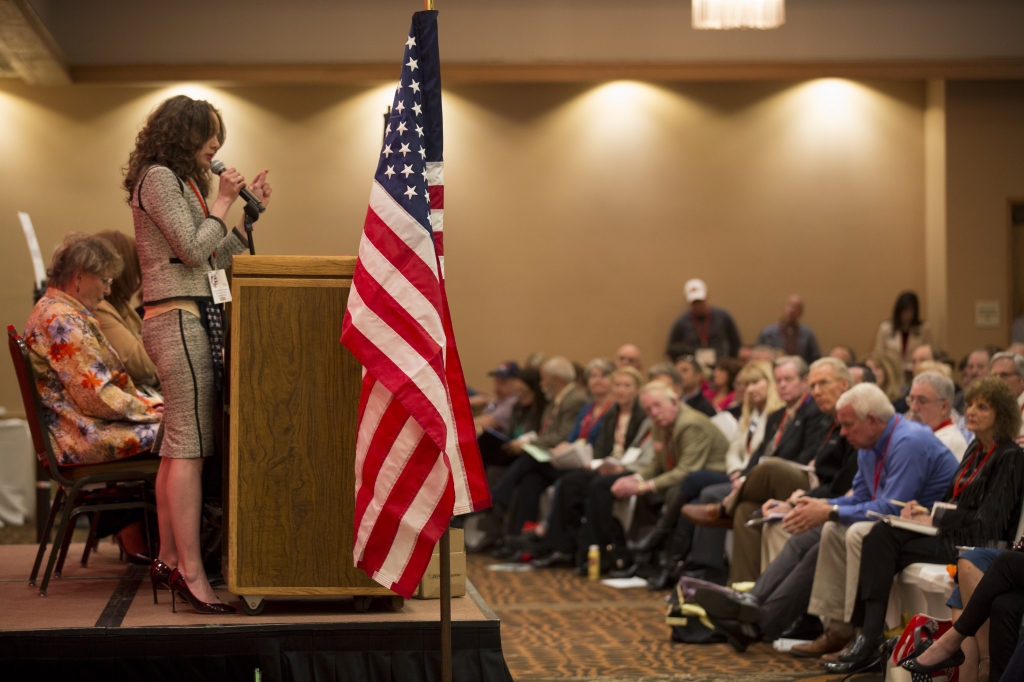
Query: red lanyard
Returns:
{"type": "Point", "coordinates": [707, 330]}
{"type": "Point", "coordinates": [957, 488]}
{"type": "Point", "coordinates": [790, 341]}
{"type": "Point", "coordinates": [881, 463]}
{"type": "Point", "coordinates": [948, 422]}
{"type": "Point", "coordinates": [199, 196]}
{"type": "Point", "coordinates": [591, 417]}
{"type": "Point", "coordinates": [829, 434]}
{"type": "Point", "coordinates": [785, 420]}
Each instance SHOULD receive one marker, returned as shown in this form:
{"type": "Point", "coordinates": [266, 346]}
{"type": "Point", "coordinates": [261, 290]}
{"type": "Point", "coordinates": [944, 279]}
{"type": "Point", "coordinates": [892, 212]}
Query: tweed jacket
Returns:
{"type": "Point", "coordinates": [93, 412]}
{"type": "Point", "coordinates": [560, 415]}
{"type": "Point", "coordinates": [178, 244]}
{"type": "Point", "coordinates": [694, 443]}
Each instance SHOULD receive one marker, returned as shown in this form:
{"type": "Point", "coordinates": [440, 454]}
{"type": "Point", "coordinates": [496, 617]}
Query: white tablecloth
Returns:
{"type": "Point", "coordinates": [17, 473]}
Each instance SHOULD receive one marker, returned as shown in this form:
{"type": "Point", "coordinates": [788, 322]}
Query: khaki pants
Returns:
{"type": "Point", "coordinates": [771, 479]}
{"type": "Point", "coordinates": [773, 539]}
{"type": "Point", "coordinates": [835, 576]}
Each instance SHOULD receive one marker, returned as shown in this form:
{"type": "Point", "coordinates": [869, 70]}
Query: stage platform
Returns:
{"type": "Point", "coordinates": [100, 623]}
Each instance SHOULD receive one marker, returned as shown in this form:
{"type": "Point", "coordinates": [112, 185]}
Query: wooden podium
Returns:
{"type": "Point", "coordinates": [294, 398]}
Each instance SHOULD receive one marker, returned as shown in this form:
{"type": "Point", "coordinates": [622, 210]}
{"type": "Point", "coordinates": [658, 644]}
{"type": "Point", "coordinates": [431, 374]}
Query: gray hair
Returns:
{"type": "Point", "coordinates": [602, 364]}
{"type": "Point", "coordinates": [559, 367]}
{"type": "Point", "coordinates": [867, 399]}
{"type": "Point", "coordinates": [84, 253]}
{"type": "Point", "coordinates": [942, 384]}
{"type": "Point", "coordinates": [837, 365]}
{"type": "Point", "coordinates": [1018, 361]}
{"type": "Point", "coordinates": [796, 361]}
{"type": "Point", "coordinates": [659, 388]}
{"type": "Point", "coordinates": [665, 369]}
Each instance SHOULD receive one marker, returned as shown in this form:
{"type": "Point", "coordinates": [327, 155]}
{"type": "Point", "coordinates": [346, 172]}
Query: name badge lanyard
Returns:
{"type": "Point", "coordinates": [881, 463]}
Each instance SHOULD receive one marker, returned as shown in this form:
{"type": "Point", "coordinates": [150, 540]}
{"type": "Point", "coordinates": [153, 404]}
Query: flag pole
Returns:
{"type": "Point", "coordinates": [445, 552]}
{"type": "Point", "coordinates": [446, 606]}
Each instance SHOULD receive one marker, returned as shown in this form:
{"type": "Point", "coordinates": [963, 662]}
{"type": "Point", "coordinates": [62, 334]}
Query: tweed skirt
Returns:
{"type": "Point", "coordinates": [180, 349]}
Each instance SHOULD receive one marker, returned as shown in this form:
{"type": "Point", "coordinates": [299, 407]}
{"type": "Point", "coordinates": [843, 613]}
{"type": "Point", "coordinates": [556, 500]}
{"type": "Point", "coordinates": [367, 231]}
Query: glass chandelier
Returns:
{"type": "Point", "coordinates": [723, 14]}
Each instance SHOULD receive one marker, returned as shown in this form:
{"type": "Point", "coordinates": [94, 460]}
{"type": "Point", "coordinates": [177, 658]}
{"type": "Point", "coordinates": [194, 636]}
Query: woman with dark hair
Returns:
{"type": "Point", "coordinates": [182, 243]}
{"type": "Point", "coordinates": [983, 506]}
{"type": "Point", "coordinates": [723, 380]}
{"type": "Point", "coordinates": [120, 323]}
{"type": "Point", "coordinates": [906, 331]}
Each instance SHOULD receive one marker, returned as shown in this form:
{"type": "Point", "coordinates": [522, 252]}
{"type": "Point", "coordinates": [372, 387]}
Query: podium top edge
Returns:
{"type": "Point", "coordinates": [293, 266]}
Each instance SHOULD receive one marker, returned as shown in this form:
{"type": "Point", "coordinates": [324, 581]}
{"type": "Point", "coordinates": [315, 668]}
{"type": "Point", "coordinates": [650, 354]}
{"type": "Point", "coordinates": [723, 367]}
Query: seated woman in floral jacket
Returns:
{"type": "Point", "coordinates": [93, 412]}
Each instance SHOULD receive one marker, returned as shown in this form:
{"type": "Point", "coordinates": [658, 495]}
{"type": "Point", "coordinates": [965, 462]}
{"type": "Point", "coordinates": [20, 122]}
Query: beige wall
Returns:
{"type": "Point", "coordinates": [985, 157]}
{"type": "Point", "coordinates": [574, 213]}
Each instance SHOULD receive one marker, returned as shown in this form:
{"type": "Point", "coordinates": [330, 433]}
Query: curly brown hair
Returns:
{"type": "Point", "coordinates": [83, 253]}
{"type": "Point", "coordinates": [1000, 398]}
{"type": "Point", "coordinates": [174, 132]}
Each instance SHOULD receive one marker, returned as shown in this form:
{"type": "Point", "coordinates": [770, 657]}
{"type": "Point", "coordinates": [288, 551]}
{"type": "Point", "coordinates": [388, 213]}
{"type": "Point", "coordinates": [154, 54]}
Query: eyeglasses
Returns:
{"type": "Point", "coordinates": [916, 399]}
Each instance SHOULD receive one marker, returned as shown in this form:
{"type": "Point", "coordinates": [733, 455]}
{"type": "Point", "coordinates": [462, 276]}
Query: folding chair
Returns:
{"type": "Point", "coordinates": [72, 497]}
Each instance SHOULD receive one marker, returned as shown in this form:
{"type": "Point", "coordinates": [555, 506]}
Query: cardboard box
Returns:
{"type": "Point", "coordinates": [430, 586]}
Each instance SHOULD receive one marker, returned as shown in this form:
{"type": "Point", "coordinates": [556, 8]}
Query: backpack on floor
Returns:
{"type": "Point", "coordinates": [689, 622]}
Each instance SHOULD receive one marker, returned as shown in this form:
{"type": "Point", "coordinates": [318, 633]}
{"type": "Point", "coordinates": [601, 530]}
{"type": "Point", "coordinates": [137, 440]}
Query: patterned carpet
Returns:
{"type": "Point", "coordinates": [557, 626]}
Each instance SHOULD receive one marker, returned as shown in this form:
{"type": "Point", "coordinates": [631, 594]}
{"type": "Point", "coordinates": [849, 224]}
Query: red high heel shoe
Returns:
{"type": "Point", "coordinates": [160, 575]}
{"type": "Point", "coordinates": [178, 586]}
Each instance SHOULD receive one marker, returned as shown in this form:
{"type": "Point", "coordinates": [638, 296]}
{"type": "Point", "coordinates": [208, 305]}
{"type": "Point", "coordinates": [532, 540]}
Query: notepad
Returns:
{"type": "Point", "coordinates": [904, 524]}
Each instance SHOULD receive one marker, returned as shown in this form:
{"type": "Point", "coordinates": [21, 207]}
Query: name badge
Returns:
{"type": "Point", "coordinates": [706, 356]}
{"type": "Point", "coordinates": [219, 286]}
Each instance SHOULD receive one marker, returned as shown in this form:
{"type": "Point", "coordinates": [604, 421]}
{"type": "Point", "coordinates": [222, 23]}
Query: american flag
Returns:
{"type": "Point", "coordinates": [417, 461]}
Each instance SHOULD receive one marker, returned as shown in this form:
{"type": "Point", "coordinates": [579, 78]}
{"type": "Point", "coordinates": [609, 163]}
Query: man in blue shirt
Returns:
{"type": "Point", "coordinates": [897, 460]}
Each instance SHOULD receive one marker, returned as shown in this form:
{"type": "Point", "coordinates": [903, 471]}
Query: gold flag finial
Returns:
{"type": "Point", "coordinates": [428, 4]}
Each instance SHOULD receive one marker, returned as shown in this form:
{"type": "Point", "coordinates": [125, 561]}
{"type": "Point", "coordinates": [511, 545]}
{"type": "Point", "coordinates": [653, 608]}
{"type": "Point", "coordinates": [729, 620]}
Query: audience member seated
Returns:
{"type": "Point", "coordinates": [997, 605]}
{"type": "Point", "coordinates": [987, 489]}
{"type": "Point", "coordinates": [684, 440]}
{"type": "Point", "coordinates": [761, 399]}
{"type": "Point", "coordinates": [1010, 370]}
{"type": "Point", "coordinates": [973, 366]}
{"type": "Point", "coordinates": [888, 375]}
{"type": "Point", "coordinates": [497, 413]}
{"type": "Point", "coordinates": [117, 317]}
{"type": "Point", "coordinates": [623, 429]}
{"type": "Point", "coordinates": [897, 460]}
{"type": "Point", "coordinates": [789, 335]}
{"type": "Point", "coordinates": [93, 411]}
{"type": "Point", "coordinates": [902, 334]}
{"type": "Point", "coordinates": [629, 355]}
{"type": "Point", "coordinates": [565, 400]}
{"type": "Point", "coordinates": [861, 374]}
{"type": "Point", "coordinates": [723, 381]}
{"type": "Point", "coordinates": [692, 376]}
{"type": "Point", "coordinates": [775, 479]}
{"type": "Point", "coordinates": [763, 354]}
{"type": "Point", "coordinates": [792, 434]}
{"type": "Point", "coordinates": [843, 353]}
{"type": "Point", "coordinates": [709, 330]}
{"type": "Point", "coordinates": [930, 399]}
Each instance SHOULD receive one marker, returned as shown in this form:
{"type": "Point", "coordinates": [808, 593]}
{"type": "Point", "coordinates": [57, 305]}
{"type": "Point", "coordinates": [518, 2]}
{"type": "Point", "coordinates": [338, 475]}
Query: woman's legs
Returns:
{"type": "Point", "coordinates": [183, 488]}
{"type": "Point", "coordinates": [975, 667]}
{"type": "Point", "coordinates": [168, 548]}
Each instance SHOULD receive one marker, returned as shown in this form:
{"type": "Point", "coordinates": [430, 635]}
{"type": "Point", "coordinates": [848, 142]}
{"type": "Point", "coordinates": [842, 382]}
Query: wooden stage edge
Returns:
{"type": "Point", "coordinates": [102, 618]}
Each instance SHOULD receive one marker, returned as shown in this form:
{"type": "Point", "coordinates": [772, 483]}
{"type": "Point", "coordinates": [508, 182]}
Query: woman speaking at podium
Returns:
{"type": "Point", "coordinates": [183, 247]}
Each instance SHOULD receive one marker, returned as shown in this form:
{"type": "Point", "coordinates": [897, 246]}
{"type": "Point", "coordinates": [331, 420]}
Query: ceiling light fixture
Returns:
{"type": "Point", "coordinates": [725, 14]}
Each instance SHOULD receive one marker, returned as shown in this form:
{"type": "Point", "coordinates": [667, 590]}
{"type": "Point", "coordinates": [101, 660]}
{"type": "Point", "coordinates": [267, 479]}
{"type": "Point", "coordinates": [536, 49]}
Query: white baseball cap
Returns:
{"type": "Point", "coordinates": [696, 290]}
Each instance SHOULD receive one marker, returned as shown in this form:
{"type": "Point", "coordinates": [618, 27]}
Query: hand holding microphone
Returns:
{"type": "Point", "coordinates": [237, 183]}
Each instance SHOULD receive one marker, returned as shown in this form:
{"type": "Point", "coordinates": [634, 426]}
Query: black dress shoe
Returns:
{"type": "Point", "coordinates": [806, 627]}
{"type": "Point", "coordinates": [650, 541]}
{"type": "Point", "coordinates": [739, 635]}
{"type": "Point", "coordinates": [863, 654]}
{"type": "Point", "coordinates": [627, 572]}
{"type": "Point", "coordinates": [556, 558]}
{"type": "Point", "coordinates": [744, 608]}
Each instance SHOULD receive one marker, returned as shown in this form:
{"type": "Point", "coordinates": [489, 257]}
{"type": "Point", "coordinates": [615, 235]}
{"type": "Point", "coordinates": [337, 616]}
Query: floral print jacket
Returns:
{"type": "Point", "coordinates": [93, 412]}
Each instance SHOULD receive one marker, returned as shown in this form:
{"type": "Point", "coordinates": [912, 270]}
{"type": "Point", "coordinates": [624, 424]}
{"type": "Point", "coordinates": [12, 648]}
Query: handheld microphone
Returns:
{"type": "Point", "coordinates": [218, 167]}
